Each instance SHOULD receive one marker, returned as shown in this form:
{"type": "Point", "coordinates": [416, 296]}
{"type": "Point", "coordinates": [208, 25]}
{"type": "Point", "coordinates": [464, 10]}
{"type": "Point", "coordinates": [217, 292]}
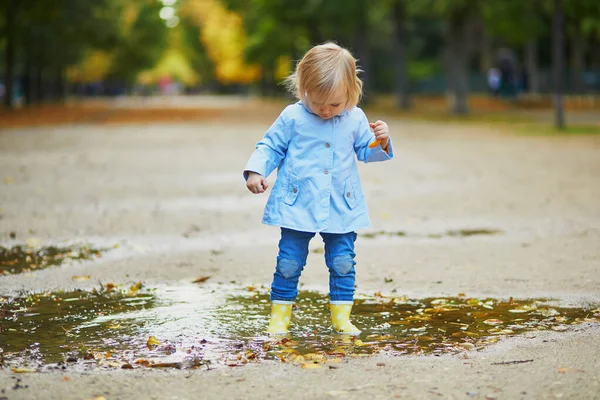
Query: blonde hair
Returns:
{"type": "Point", "coordinates": [322, 69]}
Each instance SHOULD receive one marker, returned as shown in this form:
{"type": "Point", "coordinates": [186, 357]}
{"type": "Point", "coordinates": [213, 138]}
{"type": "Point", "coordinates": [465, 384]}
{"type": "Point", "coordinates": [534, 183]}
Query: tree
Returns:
{"type": "Point", "coordinates": [142, 40]}
{"type": "Point", "coordinates": [400, 17]}
{"type": "Point", "coordinates": [518, 24]}
{"type": "Point", "coordinates": [558, 55]}
{"type": "Point", "coordinates": [582, 25]}
{"type": "Point", "coordinates": [10, 15]}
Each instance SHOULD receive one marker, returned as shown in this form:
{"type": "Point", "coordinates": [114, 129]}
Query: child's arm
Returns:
{"type": "Point", "coordinates": [269, 153]}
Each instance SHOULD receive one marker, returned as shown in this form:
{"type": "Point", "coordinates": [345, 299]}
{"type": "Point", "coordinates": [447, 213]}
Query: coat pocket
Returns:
{"type": "Point", "coordinates": [293, 190]}
{"type": "Point", "coordinates": [350, 193]}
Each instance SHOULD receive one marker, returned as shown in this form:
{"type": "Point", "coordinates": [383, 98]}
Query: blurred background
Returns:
{"type": "Point", "coordinates": [456, 55]}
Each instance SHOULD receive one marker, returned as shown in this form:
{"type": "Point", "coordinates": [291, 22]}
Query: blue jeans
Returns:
{"type": "Point", "coordinates": [339, 258]}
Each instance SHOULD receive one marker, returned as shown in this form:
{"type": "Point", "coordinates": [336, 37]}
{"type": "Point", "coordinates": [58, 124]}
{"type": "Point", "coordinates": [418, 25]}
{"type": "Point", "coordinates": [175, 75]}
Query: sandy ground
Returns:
{"type": "Point", "coordinates": [172, 194]}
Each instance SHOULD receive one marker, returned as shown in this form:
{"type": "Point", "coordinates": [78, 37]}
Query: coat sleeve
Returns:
{"type": "Point", "coordinates": [271, 149]}
{"type": "Point", "coordinates": [363, 138]}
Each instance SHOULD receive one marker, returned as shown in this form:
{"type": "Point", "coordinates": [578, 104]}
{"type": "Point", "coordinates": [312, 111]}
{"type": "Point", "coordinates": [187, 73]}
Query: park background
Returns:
{"type": "Point", "coordinates": [426, 56]}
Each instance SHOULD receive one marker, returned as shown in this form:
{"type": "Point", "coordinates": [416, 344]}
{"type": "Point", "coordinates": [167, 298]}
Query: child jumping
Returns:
{"type": "Point", "coordinates": [312, 144]}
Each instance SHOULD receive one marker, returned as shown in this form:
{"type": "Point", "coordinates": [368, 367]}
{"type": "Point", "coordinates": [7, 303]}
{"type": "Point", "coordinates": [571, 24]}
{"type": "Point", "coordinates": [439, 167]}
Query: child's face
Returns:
{"type": "Point", "coordinates": [328, 107]}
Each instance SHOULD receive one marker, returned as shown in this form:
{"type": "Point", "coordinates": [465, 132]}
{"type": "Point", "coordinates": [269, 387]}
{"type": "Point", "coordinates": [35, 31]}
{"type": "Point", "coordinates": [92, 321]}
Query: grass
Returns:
{"type": "Point", "coordinates": [546, 130]}
{"type": "Point", "coordinates": [527, 117]}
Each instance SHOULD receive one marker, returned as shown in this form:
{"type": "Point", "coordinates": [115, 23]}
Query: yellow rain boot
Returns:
{"type": "Point", "coordinates": [281, 314]}
{"type": "Point", "coordinates": [340, 317]}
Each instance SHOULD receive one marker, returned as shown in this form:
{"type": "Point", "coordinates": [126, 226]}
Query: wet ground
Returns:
{"type": "Point", "coordinates": [222, 325]}
{"type": "Point", "coordinates": [464, 218]}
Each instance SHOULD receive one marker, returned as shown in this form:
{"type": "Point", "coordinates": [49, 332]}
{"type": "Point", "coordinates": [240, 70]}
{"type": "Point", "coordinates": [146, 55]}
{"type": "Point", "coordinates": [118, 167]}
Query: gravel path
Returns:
{"type": "Point", "coordinates": [173, 198]}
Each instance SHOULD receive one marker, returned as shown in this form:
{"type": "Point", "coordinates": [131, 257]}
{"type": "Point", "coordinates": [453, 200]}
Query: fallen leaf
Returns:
{"type": "Point", "coordinates": [493, 321]}
{"type": "Point", "coordinates": [563, 370]}
{"type": "Point", "coordinates": [202, 279]}
{"type": "Point", "coordinates": [152, 341]}
{"type": "Point", "coordinates": [80, 277]}
{"type": "Point", "coordinates": [9, 180]}
{"type": "Point", "coordinates": [22, 370]}
{"type": "Point", "coordinates": [176, 365]}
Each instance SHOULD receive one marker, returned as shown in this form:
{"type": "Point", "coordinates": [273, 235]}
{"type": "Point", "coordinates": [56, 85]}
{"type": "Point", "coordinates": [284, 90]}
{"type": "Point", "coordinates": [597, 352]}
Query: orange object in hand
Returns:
{"type": "Point", "coordinates": [375, 143]}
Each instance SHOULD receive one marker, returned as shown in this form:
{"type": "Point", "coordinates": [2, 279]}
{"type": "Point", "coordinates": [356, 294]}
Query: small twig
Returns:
{"type": "Point", "coordinates": [512, 362]}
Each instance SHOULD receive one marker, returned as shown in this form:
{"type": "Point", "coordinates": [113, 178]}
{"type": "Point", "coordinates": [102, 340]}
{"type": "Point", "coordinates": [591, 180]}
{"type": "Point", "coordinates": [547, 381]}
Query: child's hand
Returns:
{"type": "Point", "coordinates": [382, 133]}
{"type": "Point", "coordinates": [256, 183]}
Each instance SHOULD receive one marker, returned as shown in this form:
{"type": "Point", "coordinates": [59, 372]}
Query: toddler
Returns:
{"type": "Point", "coordinates": [313, 145]}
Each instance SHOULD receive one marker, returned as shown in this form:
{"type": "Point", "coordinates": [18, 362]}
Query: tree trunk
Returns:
{"type": "Point", "coordinates": [558, 58]}
{"type": "Point", "coordinates": [578, 62]}
{"type": "Point", "coordinates": [400, 38]}
{"type": "Point", "coordinates": [267, 81]}
{"type": "Point", "coordinates": [60, 85]}
{"type": "Point", "coordinates": [456, 54]}
{"type": "Point", "coordinates": [28, 73]}
{"type": "Point", "coordinates": [362, 48]}
{"type": "Point", "coordinates": [11, 38]}
{"type": "Point", "coordinates": [39, 83]}
{"type": "Point", "coordinates": [531, 65]}
{"type": "Point", "coordinates": [486, 57]}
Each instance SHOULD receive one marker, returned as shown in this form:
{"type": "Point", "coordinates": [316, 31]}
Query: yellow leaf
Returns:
{"type": "Point", "coordinates": [202, 279]}
{"type": "Point", "coordinates": [152, 341]}
{"type": "Point", "coordinates": [9, 180]}
{"type": "Point", "coordinates": [563, 370]}
{"type": "Point", "coordinates": [136, 287]}
{"type": "Point", "coordinates": [22, 370]}
{"type": "Point", "coordinates": [80, 277]}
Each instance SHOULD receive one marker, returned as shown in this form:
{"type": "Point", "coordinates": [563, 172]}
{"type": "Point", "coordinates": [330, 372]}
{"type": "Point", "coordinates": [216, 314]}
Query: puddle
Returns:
{"type": "Point", "coordinates": [18, 259]}
{"type": "Point", "coordinates": [450, 233]}
{"type": "Point", "coordinates": [199, 326]}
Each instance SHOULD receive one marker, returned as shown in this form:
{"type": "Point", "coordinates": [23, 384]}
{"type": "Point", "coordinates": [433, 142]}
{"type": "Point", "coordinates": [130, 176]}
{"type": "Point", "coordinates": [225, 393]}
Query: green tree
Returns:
{"type": "Point", "coordinates": [582, 26]}
{"type": "Point", "coordinates": [141, 41]}
{"type": "Point", "coordinates": [518, 24]}
{"type": "Point", "coordinates": [459, 17]}
{"type": "Point", "coordinates": [400, 18]}
{"type": "Point", "coordinates": [558, 61]}
{"type": "Point", "coordinates": [45, 36]}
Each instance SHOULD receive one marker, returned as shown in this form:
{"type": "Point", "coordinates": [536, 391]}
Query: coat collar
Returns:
{"type": "Point", "coordinates": [307, 108]}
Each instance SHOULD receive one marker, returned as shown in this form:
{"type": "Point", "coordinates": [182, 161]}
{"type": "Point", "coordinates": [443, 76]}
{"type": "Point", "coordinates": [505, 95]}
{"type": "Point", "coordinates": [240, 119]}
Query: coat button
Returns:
{"type": "Point", "coordinates": [348, 194]}
{"type": "Point", "coordinates": [326, 172]}
{"type": "Point", "coordinates": [327, 145]}
{"type": "Point", "coordinates": [295, 190]}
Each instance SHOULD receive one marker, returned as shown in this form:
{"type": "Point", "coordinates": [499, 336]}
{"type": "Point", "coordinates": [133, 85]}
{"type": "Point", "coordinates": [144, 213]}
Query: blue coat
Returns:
{"type": "Point", "coordinates": [317, 188]}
